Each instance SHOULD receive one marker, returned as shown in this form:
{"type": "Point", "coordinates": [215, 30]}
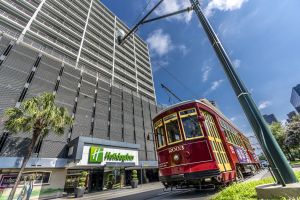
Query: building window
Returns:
{"type": "Point", "coordinates": [190, 124]}
{"type": "Point", "coordinates": [172, 129]}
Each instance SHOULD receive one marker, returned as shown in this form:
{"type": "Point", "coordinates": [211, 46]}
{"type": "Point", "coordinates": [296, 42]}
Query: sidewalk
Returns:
{"type": "Point", "coordinates": [110, 194]}
{"type": "Point", "coordinates": [260, 175]}
{"type": "Point", "coordinates": [296, 169]}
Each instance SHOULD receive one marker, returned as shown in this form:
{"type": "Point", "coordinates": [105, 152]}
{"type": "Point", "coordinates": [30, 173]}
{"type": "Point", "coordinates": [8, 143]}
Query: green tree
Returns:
{"type": "Point", "coordinates": [40, 116]}
{"type": "Point", "coordinates": [262, 157]}
{"type": "Point", "coordinates": [293, 133]}
{"type": "Point", "coordinates": [280, 135]}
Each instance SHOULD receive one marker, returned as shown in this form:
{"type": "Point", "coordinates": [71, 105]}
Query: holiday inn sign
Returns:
{"type": "Point", "coordinates": [98, 154]}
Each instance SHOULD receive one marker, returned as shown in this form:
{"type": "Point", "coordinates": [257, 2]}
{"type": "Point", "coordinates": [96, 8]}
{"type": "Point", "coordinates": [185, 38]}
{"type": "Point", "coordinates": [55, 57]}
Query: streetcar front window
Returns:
{"type": "Point", "coordinates": [172, 128]}
{"type": "Point", "coordinates": [191, 126]}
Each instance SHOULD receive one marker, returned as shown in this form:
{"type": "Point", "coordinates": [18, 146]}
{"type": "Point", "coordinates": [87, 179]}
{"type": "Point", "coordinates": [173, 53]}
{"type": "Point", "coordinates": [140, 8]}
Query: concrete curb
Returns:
{"type": "Point", "coordinates": [271, 191]}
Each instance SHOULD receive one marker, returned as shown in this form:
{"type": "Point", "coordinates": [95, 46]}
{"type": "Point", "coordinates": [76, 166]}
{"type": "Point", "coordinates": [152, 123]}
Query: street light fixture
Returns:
{"type": "Point", "coordinates": [279, 164]}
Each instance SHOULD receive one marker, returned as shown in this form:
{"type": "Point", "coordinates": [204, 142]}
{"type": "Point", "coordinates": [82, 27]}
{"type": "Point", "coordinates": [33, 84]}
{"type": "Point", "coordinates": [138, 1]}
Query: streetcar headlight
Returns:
{"type": "Point", "coordinates": [176, 157]}
{"type": "Point", "coordinates": [207, 179]}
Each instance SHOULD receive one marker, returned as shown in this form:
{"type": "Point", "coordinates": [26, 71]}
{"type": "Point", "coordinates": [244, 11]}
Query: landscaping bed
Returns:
{"type": "Point", "coordinates": [238, 191]}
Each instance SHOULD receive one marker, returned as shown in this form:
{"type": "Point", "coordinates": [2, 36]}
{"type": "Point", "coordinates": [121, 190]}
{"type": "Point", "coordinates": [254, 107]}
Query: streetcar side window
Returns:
{"type": "Point", "coordinates": [160, 137]}
{"type": "Point", "coordinates": [160, 134]}
{"type": "Point", "coordinates": [172, 128]}
{"type": "Point", "coordinates": [190, 124]}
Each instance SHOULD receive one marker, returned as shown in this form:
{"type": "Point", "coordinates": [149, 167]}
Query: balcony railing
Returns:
{"type": "Point", "coordinates": [56, 44]}
{"type": "Point", "coordinates": [96, 18]}
{"type": "Point", "coordinates": [128, 74]}
{"type": "Point", "coordinates": [142, 65]}
{"type": "Point", "coordinates": [144, 72]}
{"type": "Point", "coordinates": [14, 10]}
{"type": "Point", "coordinates": [145, 78]}
{"type": "Point", "coordinates": [128, 61]}
{"type": "Point", "coordinates": [109, 21]}
{"type": "Point", "coordinates": [65, 30]}
{"type": "Point", "coordinates": [18, 28]}
{"type": "Point", "coordinates": [78, 29]}
{"type": "Point", "coordinates": [147, 93]}
{"type": "Point", "coordinates": [124, 80]}
{"type": "Point", "coordinates": [69, 40]}
{"type": "Point", "coordinates": [80, 13]}
{"type": "Point", "coordinates": [146, 85]}
{"type": "Point", "coordinates": [99, 57]}
{"type": "Point", "coordinates": [96, 66]}
{"type": "Point", "coordinates": [95, 49]}
{"type": "Point", "coordinates": [59, 6]}
{"type": "Point", "coordinates": [92, 38]}
{"type": "Point", "coordinates": [122, 63]}
{"type": "Point", "coordinates": [81, 5]}
{"type": "Point", "coordinates": [8, 17]}
{"type": "Point", "coordinates": [19, 7]}
{"type": "Point", "coordinates": [105, 12]}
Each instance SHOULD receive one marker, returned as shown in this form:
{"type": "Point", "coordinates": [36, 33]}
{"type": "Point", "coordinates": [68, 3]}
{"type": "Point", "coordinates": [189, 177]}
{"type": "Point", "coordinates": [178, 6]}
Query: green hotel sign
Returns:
{"type": "Point", "coordinates": [96, 155]}
{"type": "Point", "coordinates": [118, 157]}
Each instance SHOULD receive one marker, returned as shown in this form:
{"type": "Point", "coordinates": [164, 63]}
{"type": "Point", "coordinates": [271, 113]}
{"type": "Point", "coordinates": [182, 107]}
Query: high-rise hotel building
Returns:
{"type": "Point", "coordinates": [69, 47]}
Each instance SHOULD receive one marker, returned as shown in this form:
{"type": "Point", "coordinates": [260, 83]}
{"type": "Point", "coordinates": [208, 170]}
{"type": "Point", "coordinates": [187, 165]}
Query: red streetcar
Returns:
{"type": "Point", "coordinates": [197, 146]}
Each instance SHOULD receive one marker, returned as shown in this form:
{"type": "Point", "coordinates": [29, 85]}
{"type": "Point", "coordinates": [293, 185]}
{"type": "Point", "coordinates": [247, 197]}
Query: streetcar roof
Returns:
{"type": "Point", "coordinates": [203, 102]}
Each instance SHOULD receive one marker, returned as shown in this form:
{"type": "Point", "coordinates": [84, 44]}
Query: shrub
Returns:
{"type": "Point", "coordinates": [134, 175]}
{"type": "Point", "coordinates": [246, 190]}
{"type": "Point", "coordinates": [82, 179]}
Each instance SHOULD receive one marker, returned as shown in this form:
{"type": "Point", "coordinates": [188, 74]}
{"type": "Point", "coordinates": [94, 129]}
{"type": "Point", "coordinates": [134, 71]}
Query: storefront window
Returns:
{"type": "Point", "coordinates": [172, 128]}
{"type": "Point", "coordinates": [114, 177]}
{"type": "Point", "coordinates": [37, 177]}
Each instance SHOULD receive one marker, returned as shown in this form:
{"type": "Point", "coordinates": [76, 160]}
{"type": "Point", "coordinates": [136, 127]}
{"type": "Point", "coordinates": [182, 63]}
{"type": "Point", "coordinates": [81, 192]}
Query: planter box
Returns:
{"type": "Point", "coordinates": [79, 191]}
{"type": "Point", "coordinates": [134, 183]}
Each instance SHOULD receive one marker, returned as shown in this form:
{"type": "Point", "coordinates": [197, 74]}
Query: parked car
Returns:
{"type": "Point", "coordinates": [264, 163]}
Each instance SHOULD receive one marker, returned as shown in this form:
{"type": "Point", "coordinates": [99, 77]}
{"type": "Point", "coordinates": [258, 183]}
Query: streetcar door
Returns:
{"type": "Point", "coordinates": [216, 142]}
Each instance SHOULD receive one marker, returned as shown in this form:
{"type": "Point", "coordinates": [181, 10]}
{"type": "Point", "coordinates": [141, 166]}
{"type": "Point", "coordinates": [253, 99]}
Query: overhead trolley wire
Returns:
{"type": "Point", "coordinates": [143, 11]}
{"type": "Point", "coordinates": [194, 95]}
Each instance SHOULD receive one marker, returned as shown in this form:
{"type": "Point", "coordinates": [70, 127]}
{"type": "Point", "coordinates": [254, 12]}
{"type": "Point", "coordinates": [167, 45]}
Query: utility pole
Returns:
{"type": "Point", "coordinates": [279, 164]}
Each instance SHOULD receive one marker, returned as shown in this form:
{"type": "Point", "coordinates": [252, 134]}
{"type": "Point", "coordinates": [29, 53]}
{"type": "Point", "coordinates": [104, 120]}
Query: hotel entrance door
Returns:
{"type": "Point", "coordinates": [96, 180]}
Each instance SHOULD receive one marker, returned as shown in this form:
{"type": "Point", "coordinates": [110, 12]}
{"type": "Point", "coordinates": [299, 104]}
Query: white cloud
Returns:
{"type": "Point", "coordinates": [159, 42]}
{"type": "Point", "coordinates": [236, 63]}
{"type": "Point", "coordinates": [216, 84]}
{"type": "Point", "coordinates": [223, 5]}
{"type": "Point", "coordinates": [183, 49]}
{"type": "Point", "coordinates": [264, 104]}
{"type": "Point", "coordinates": [232, 119]}
{"type": "Point", "coordinates": [169, 6]}
{"type": "Point", "coordinates": [157, 64]}
{"type": "Point", "coordinates": [205, 72]}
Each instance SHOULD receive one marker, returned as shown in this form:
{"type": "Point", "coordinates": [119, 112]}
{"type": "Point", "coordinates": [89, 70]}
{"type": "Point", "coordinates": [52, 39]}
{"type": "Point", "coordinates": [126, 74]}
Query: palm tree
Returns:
{"type": "Point", "coordinates": [40, 116]}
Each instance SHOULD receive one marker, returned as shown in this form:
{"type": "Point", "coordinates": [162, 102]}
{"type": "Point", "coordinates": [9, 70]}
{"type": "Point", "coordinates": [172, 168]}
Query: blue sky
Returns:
{"type": "Point", "coordinates": [261, 38]}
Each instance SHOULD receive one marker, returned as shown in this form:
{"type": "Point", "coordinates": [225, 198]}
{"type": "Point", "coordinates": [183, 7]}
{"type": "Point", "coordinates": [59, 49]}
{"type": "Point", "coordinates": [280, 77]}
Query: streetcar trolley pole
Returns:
{"type": "Point", "coordinates": [278, 162]}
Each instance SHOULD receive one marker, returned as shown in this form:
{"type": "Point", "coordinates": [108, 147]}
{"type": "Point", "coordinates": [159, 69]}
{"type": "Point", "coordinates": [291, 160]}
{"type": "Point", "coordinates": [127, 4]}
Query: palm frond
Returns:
{"type": "Point", "coordinates": [38, 113]}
